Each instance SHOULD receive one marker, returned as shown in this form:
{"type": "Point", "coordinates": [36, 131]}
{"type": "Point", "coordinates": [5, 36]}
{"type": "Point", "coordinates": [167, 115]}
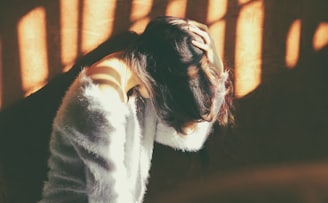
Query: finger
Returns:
{"type": "Point", "coordinates": [203, 34]}
{"type": "Point", "coordinates": [200, 45]}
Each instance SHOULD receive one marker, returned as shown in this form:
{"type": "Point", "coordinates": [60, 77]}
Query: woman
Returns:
{"type": "Point", "coordinates": [168, 87]}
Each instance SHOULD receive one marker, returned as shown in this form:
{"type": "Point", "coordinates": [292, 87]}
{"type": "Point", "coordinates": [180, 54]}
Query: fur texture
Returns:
{"type": "Point", "coordinates": [101, 148]}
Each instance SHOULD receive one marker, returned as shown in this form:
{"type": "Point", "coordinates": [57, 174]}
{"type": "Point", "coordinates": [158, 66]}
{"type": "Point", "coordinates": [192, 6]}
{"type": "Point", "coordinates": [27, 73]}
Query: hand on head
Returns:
{"type": "Point", "coordinates": [206, 44]}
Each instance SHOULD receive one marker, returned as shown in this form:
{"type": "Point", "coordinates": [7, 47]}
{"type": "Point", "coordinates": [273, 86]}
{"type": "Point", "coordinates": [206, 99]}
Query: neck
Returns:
{"type": "Point", "coordinates": [128, 78]}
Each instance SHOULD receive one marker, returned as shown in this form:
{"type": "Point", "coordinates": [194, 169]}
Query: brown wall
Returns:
{"type": "Point", "coordinates": [278, 53]}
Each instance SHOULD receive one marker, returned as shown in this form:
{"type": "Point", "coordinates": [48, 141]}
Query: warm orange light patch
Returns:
{"type": "Point", "coordinates": [216, 11]}
{"type": "Point", "coordinates": [293, 44]}
{"type": "Point", "coordinates": [241, 2]}
{"type": "Point", "coordinates": [140, 15]}
{"type": "Point", "coordinates": [248, 48]}
{"type": "Point", "coordinates": [69, 30]}
{"type": "Point", "coordinates": [320, 38]}
{"type": "Point", "coordinates": [176, 8]}
{"type": "Point", "coordinates": [98, 17]}
{"type": "Point", "coordinates": [33, 50]}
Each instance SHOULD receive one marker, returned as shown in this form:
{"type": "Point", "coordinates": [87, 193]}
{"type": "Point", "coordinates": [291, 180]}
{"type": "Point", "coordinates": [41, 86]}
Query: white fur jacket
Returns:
{"type": "Point", "coordinates": [101, 149]}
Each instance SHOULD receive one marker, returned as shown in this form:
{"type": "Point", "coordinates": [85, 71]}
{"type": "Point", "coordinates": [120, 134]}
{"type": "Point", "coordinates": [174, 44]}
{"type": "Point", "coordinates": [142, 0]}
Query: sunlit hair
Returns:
{"type": "Point", "coordinates": [182, 84]}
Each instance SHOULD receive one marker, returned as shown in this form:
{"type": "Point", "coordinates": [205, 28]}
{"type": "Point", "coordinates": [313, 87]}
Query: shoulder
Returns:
{"type": "Point", "coordinates": [85, 101]}
{"type": "Point", "coordinates": [108, 77]}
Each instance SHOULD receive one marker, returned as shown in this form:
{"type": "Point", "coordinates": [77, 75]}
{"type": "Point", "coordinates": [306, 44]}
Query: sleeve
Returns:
{"type": "Point", "coordinates": [192, 141]}
{"type": "Point", "coordinates": [87, 150]}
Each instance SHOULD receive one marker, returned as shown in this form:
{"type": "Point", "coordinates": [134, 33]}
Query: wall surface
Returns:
{"type": "Point", "coordinates": [278, 55]}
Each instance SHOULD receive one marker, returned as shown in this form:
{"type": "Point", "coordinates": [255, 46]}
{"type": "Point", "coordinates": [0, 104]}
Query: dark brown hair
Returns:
{"type": "Point", "coordinates": [183, 86]}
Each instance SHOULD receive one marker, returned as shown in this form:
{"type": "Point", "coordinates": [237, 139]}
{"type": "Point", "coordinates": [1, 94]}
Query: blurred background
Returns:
{"type": "Point", "coordinates": [278, 55]}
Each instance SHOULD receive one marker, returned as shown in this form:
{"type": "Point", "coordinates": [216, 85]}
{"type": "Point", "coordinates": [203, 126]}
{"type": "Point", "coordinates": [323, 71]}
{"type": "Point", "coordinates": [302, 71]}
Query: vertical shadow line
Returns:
{"type": "Point", "coordinates": [11, 64]}
{"type": "Point", "coordinates": [197, 10]}
{"type": "Point", "coordinates": [159, 7]}
{"type": "Point", "coordinates": [231, 18]}
{"type": "Point", "coordinates": [80, 27]}
{"type": "Point", "coordinates": [53, 33]}
{"type": "Point", "coordinates": [121, 20]}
